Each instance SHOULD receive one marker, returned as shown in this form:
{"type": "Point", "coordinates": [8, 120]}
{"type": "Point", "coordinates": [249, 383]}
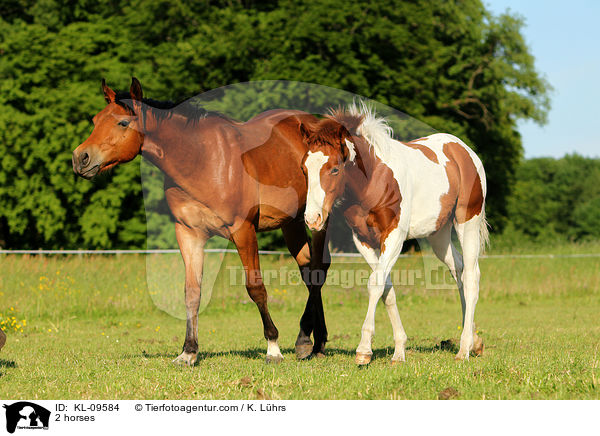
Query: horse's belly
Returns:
{"type": "Point", "coordinates": [272, 218]}
{"type": "Point", "coordinates": [278, 205]}
{"type": "Point", "coordinates": [426, 209]}
{"type": "Point", "coordinates": [422, 226]}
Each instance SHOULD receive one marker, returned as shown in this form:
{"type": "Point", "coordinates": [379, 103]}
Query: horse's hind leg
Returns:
{"type": "Point", "coordinates": [192, 251]}
{"type": "Point", "coordinates": [298, 244]}
{"type": "Point", "coordinates": [247, 246]}
{"type": "Point", "coordinates": [313, 317]}
{"type": "Point", "coordinates": [444, 249]}
{"type": "Point", "coordinates": [319, 265]}
{"type": "Point", "coordinates": [469, 237]}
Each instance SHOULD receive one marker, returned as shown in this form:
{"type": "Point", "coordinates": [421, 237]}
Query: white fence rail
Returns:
{"type": "Point", "coordinates": [284, 253]}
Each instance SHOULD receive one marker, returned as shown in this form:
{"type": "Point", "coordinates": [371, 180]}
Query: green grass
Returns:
{"type": "Point", "coordinates": [92, 331]}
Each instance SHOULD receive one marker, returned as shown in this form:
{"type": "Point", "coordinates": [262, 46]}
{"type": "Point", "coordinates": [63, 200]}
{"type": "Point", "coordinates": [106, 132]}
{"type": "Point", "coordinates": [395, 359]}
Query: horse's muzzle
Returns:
{"type": "Point", "coordinates": [82, 165]}
{"type": "Point", "coordinates": [316, 225]}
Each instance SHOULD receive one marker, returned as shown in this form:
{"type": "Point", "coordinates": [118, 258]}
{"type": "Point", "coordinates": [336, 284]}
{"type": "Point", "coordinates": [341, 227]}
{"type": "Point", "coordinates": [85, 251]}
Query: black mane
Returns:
{"type": "Point", "coordinates": [165, 109]}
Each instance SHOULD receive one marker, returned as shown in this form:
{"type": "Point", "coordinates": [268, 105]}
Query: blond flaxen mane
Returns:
{"type": "Point", "coordinates": [360, 119]}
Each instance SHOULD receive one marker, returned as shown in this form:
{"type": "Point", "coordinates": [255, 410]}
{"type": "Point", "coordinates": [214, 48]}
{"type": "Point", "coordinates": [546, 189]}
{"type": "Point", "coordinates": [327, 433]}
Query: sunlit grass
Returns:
{"type": "Point", "coordinates": [89, 328]}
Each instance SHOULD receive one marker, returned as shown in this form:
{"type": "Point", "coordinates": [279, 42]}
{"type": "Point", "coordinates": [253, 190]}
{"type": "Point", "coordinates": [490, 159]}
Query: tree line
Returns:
{"type": "Point", "coordinates": [452, 65]}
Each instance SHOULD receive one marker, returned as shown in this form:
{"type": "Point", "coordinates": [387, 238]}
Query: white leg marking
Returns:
{"type": "Point", "coordinates": [273, 349]}
{"type": "Point", "coordinates": [400, 338]}
{"type": "Point", "coordinates": [377, 284]}
{"type": "Point", "coordinates": [389, 299]}
{"type": "Point", "coordinates": [468, 234]}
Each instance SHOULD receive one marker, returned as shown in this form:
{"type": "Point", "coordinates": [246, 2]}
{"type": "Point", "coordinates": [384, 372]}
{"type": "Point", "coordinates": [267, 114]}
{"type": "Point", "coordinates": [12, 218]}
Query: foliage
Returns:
{"type": "Point", "coordinates": [449, 64]}
{"type": "Point", "coordinates": [556, 199]}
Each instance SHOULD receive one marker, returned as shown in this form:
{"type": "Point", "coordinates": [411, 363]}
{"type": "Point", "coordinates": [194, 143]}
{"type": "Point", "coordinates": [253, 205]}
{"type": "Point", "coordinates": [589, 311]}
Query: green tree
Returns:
{"type": "Point", "coordinates": [556, 199]}
{"type": "Point", "coordinates": [449, 64]}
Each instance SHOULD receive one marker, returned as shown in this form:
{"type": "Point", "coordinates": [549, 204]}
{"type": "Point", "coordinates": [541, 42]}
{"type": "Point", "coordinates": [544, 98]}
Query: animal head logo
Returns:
{"type": "Point", "coordinates": [26, 415]}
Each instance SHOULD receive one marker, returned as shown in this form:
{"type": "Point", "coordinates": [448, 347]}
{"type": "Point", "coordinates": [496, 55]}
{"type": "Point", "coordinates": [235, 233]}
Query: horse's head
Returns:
{"type": "Point", "coordinates": [330, 148]}
{"type": "Point", "coordinates": [117, 136]}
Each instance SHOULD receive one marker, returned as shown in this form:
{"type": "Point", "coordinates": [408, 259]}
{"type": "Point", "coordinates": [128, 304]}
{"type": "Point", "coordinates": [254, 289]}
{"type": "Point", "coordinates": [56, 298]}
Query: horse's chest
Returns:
{"type": "Point", "coordinates": [364, 225]}
{"type": "Point", "coordinates": [194, 214]}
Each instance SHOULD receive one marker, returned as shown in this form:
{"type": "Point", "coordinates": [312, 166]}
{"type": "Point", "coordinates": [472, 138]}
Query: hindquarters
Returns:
{"type": "Point", "coordinates": [465, 200]}
{"type": "Point", "coordinates": [274, 166]}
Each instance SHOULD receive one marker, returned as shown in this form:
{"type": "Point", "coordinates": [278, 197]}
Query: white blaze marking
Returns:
{"type": "Point", "coordinates": [351, 149]}
{"type": "Point", "coordinates": [315, 197]}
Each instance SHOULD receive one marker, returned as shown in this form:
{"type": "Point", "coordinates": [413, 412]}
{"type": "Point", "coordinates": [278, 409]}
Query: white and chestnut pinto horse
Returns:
{"type": "Point", "coordinates": [391, 191]}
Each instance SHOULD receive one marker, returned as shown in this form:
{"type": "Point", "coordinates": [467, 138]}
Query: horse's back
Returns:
{"type": "Point", "coordinates": [447, 181]}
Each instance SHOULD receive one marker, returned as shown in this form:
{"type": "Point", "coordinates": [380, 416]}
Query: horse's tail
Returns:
{"type": "Point", "coordinates": [484, 234]}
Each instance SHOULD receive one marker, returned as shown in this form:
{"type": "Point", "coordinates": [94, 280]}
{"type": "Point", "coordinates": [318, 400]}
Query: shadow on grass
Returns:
{"type": "Point", "coordinates": [449, 347]}
{"type": "Point", "coordinates": [259, 353]}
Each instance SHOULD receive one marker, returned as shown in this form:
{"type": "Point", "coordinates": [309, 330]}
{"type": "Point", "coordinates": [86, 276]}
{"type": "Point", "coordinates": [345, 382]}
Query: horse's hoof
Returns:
{"type": "Point", "coordinates": [363, 358]}
{"type": "Point", "coordinates": [303, 351]}
{"type": "Point", "coordinates": [2, 339]}
{"type": "Point", "coordinates": [274, 359]}
{"type": "Point", "coordinates": [461, 356]}
{"type": "Point", "coordinates": [397, 361]}
{"type": "Point", "coordinates": [318, 355]}
{"type": "Point", "coordinates": [186, 359]}
{"type": "Point", "coordinates": [478, 346]}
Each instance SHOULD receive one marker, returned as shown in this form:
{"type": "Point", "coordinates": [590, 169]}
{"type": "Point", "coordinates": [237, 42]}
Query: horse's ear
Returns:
{"type": "Point", "coordinates": [109, 94]}
{"type": "Point", "coordinates": [304, 131]}
{"type": "Point", "coordinates": [342, 135]}
{"type": "Point", "coordinates": [135, 89]}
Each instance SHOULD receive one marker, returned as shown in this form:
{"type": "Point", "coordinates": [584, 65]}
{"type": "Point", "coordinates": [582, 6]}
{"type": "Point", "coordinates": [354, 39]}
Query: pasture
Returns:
{"type": "Point", "coordinates": [87, 328]}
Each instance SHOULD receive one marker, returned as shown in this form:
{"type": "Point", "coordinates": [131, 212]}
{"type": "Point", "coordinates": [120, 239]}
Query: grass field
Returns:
{"type": "Point", "coordinates": [89, 328]}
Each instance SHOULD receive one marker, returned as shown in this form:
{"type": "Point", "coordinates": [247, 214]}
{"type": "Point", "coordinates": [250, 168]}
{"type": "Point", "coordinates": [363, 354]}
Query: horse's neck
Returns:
{"type": "Point", "coordinates": [366, 172]}
{"type": "Point", "coordinates": [178, 148]}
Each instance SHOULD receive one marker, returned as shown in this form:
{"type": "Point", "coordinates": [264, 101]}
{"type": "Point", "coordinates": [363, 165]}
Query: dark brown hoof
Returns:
{"type": "Point", "coordinates": [363, 359]}
{"type": "Point", "coordinates": [2, 339]}
{"type": "Point", "coordinates": [304, 351]}
{"type": "Point", "coordinates": [318, 355]}
{"type": "Point", "coordinates": [478, 346]}
{"type": "Point", "coordinates": [274, 359]}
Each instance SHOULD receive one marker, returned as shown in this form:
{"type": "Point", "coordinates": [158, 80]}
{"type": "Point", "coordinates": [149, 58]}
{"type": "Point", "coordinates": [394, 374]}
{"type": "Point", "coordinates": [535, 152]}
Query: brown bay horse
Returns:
{"type": "Point", "coordinates": [222, 178]}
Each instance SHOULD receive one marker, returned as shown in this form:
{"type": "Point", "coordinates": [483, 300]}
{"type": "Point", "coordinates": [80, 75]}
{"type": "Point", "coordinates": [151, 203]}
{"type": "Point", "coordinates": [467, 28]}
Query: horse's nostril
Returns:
{"type": "Point", "coordinates": [85, 159]}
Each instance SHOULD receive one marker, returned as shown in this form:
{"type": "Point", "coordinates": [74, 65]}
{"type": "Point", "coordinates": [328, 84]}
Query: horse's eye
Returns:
{"type": "Point", "coordinates": [334, 171]}
{"type": "Point", "coordinates": [123, 123]}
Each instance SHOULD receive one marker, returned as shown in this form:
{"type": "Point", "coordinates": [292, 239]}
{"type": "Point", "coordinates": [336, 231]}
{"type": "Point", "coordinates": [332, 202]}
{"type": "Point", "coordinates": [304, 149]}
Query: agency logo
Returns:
{"type": "Point", "coordinates": [26, 415]}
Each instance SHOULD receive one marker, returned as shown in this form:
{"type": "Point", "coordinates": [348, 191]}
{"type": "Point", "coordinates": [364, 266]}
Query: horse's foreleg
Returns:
{"type": "Point", "coordinates": [389, 299]}
{"type": "Point", "coordinates": [400, 338]}
{"type": "Point", "coordinates": [468, 235]}
{"type": "Point", "coordinates": [247, 246]}
{"type": "Point", "coordinates": [377, 281]}
{"type": "Point", "coordinates": [192, 251]}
